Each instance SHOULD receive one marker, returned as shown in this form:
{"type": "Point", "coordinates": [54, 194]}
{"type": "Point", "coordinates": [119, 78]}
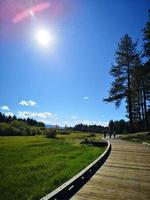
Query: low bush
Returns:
{"type": "Point", "coordinates": [42, 128]}
{"type": "Point", "coordinates": [50, 133]}
{"type": "Point", "coordinates": [85, 141]}
{"type": "Point", "coordinates": [7, 130]}
{"type": "Point", "coordinates": [18, 128]}
{"type": "Point", "coordinates": [23, 128]}
{"type": "Point", "coordinates": [64, 132]}
{"type": "Point", "coordinates": [92, 135]}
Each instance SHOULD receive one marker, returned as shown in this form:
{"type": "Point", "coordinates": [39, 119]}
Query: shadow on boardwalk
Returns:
{"type": "Point", "coordinates": [125, 175]}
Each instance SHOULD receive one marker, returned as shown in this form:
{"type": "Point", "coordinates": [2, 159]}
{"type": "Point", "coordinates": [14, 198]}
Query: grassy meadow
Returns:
{"type": "Point", "coordinates": [32, 166]}
{"type": "Point", "coordinates": [137, 137]}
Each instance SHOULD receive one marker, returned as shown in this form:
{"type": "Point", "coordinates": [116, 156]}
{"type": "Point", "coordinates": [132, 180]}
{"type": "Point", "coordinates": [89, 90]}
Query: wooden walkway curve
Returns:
{"type": "Point", "coordinates": [124, 176]}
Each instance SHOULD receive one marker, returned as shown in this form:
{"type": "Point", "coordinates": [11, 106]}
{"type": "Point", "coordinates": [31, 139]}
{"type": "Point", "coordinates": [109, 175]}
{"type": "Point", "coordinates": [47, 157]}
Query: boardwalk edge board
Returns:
{"type": "Point", "coordinates": [146, 144]}
{"type": "Point", "coordinates": [69, 188]}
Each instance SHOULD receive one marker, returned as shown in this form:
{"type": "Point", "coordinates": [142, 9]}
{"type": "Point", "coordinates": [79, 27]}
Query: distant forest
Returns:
{"type": "Point", "coordinates": [131, 81]}
{"type": "Point", "coordinates": [119, 127]}
{"type": "Point", "coordinates": [90, 128]}
{"type": "Point", "coordinates": [28, 121]}
{"type": "Point", "coordinates": [13, 126]}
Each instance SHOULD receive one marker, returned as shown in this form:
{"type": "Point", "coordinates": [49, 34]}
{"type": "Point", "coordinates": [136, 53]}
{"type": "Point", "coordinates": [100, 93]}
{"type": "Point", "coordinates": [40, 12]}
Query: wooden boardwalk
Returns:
{"type": "Point", "coordinates": [124, 176]}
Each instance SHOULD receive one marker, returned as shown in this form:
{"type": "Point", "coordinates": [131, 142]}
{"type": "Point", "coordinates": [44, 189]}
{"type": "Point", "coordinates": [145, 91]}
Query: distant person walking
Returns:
{"type": "Point", "coordinates": [104, 134]}
{"type": "Point", "coordinates": [114, 133]}
{"type": "Point", "coordinates": [110, 133]}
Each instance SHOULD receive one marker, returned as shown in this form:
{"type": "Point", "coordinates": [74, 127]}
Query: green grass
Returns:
{"type": "Point", "coordinates": [32, 166]}
{"type": "Point", "coordinates": [137, 137]}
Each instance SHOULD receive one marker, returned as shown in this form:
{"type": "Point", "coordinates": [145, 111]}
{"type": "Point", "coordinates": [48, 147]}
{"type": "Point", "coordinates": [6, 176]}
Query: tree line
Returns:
{"type": "Point", "coordinates": [90, 128]}
{"type": "Point", "coordinates": [131, 80]}
{"type": "Point", "coordinates": [13, 126]}
{"type": "Point", "coordinates": [28, 121]}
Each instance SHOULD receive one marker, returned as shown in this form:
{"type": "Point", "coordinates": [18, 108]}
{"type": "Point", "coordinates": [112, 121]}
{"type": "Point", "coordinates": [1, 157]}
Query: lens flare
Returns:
{"type": "Point", "coordinates": [30, 12]}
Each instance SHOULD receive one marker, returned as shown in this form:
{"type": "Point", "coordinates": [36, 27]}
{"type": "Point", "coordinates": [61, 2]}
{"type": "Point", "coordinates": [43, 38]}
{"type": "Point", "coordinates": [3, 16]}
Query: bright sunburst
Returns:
{"type": "Point", "coordinates": [44, 37]}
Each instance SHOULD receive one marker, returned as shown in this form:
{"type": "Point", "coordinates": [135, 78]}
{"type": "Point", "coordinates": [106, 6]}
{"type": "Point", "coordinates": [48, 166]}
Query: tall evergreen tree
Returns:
{"type": "Point", "coordinates": [146, 37]}
{"type": "Point", "coordinates": [146, 90]}
{"type": "Point", "coordinates": [137, 96]}
{"type": "Point", "coordinates": [111, 127]}
{"type": "Point", "coordinates": [146, 70]}
{"type": "Point", "coordinates": [126, 58]}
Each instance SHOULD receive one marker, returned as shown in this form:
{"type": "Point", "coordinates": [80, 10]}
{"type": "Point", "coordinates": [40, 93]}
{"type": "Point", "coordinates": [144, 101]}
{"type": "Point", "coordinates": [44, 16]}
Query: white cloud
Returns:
{"type": "Point", "coordinates": [27, 103]}
{"type": "Point", "coordinates": [74, 117]}
{"type": "Point", "coordinates": [46, 117]}
{"type": "Point", "coordinates": [103, 123]}
{"type": "Point", "coordinates": [23, 103]}
{"type": "Point", "coordinates": [31, 103]}
{"type": "Point", "coordinates": [87, 122]}
{"type": "Point", "coordinates": [9, 114]}
{"type": "Point", "coordinates": [85, 98]}
{"type": "Point", "coordinates": [66, 123]}
{"type": "Point", "coordinates": [24, 114]}
{"type": "Point", "coordinates": [42, 115]}
{"type": "Point", "coordinates": [5, 107]}
{"type": "Point", "coordinates": [74, 122]}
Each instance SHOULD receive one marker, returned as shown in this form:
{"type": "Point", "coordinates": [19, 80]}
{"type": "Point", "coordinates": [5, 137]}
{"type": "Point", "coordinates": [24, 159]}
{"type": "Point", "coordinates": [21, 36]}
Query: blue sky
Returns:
{"type": "Point", "coordinates": [65, 82]}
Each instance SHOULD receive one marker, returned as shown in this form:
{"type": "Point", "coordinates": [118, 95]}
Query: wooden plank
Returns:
{"type": "Point", "coordinates": [125, 175]}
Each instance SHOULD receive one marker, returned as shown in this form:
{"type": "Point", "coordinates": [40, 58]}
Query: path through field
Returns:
{"type": "Point", "coordinates": [125, 175]}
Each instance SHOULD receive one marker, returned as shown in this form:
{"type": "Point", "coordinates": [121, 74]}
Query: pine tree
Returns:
{"type": "Point", "coordinates": [146, 91]}
{"type": "Point", "coordinates": [137, 96]}
{"type": "Point", "coordinates": [146, 38]}
{"type": "Point", "coordinates": [125, 58]}
{"type": "Point", "coordinates": [146, 70]}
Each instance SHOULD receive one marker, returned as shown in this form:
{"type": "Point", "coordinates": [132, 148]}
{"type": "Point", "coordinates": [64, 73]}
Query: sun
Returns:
{"type": "Point", "coordinates": [44, 37]}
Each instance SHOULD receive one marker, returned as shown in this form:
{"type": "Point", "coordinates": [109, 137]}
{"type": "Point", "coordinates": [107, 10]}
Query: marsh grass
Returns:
{"type": "Point", "coordinates": [31, 167]}
{"type": "Point", "coordinates": [137, 137]}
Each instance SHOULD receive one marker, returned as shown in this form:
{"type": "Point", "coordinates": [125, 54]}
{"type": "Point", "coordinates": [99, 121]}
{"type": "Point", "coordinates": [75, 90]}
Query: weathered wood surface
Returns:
{"type": "Point", "coordinates": [125, 175]}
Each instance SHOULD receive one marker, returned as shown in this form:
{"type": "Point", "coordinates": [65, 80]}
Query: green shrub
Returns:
{"type": "Point", "coordinates": [42, 128]}
{"type": "Point", "coordinates": [7, 130]}
{"type": "Point", "coordinates": [39, 131]}
{"type": "Point", "coordinates": [64, 132]}
{"type": "Point", "coordinates": [50, 133]}
{"type": "Point", "coordinates": [24, 129]}
{"type": "Point", "coordinates": [92, 135]}
{"type": "Point", "coordinates": [18, 124]}
{"type": "Point", "coordinates": [85, 141]}
{"type": "Point", "coordinates": [35, 131]}
{"type": "Point", "coordinates": [18, 128]}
